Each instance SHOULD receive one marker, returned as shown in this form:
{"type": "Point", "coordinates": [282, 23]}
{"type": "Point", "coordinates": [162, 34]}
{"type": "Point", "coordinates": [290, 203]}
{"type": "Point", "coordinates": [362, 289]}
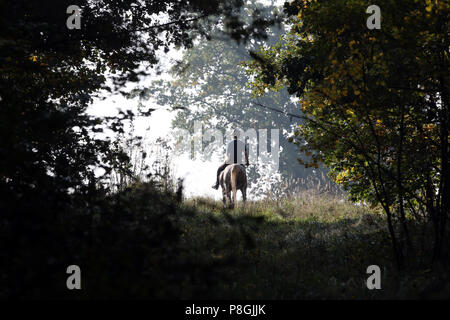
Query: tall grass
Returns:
{"type": "Point", "coordinates": [303, 246]}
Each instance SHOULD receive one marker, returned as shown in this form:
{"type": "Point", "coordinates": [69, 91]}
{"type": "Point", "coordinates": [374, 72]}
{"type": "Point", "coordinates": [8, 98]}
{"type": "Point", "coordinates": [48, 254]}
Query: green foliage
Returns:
{"type": "Point", "coordinates": [210, 86]}
{"type": "Point", "coordinates": [49, 75]}
{"type": "Point", "coordinates": [55, 211]}
{"type": "Point", "coordinates": [375, 102]}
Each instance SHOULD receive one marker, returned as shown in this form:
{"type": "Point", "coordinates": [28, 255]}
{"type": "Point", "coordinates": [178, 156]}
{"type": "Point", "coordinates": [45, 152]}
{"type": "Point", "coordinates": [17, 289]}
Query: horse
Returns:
{"type": "Point", "coordinates": [232, 179]}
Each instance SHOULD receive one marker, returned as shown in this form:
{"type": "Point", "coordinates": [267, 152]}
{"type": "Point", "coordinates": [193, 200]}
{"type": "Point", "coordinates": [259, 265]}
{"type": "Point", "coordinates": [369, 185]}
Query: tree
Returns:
{"type": "Point", "coordinates": [375, 104]}
{"type": "Point", "coordinates": [49, 74]}
{"type": "Point", "coordinates": [210, 85]}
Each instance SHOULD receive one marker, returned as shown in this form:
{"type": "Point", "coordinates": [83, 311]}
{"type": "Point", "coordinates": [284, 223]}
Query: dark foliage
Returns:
{"type": "Point", "coordinates": [53, 209]}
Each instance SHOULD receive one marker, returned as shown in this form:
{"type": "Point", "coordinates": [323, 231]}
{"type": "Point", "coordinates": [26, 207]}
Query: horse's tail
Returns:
{"type": "Point", "coordinates": [234, 178]}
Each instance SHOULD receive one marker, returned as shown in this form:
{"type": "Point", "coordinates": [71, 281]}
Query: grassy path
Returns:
{"type": "Point", "coordinates": [294, 249]}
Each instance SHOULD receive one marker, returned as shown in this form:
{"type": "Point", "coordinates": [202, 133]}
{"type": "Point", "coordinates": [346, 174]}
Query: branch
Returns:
{"type": "Point", "coordinates": [281, 111]}
{"type": "Point", "coordinates": [170, 23]}
{"type": "Point", "coordinates": [415, 89]}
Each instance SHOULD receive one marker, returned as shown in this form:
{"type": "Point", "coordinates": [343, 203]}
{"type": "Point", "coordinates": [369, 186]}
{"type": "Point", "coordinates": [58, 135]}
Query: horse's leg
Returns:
{"type": "Point", "coordinates": [230, 200]}
{"type": "Point", "coordinates": [224, 196]}
{"type": "Point", "coordinates": [244, 194]}
{"type": "Point", "coordinates": [235, 202]}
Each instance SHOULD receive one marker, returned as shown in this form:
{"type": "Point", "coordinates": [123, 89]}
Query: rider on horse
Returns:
{"type": "Point", "coordinates": [235, 151]}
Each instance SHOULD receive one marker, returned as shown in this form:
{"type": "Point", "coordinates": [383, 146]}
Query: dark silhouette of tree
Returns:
{"type": "Point", "coordinates": [49, 74]}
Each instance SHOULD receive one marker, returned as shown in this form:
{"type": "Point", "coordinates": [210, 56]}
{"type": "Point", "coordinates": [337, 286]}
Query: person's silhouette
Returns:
{"type": "Point", "coordinates": [236, 151]}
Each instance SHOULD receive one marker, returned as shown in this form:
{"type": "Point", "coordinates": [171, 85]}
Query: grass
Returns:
{"type": "Point", "coordinates": [302, 247]}
{"type": "Point", "coordinates": [142, 243]}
